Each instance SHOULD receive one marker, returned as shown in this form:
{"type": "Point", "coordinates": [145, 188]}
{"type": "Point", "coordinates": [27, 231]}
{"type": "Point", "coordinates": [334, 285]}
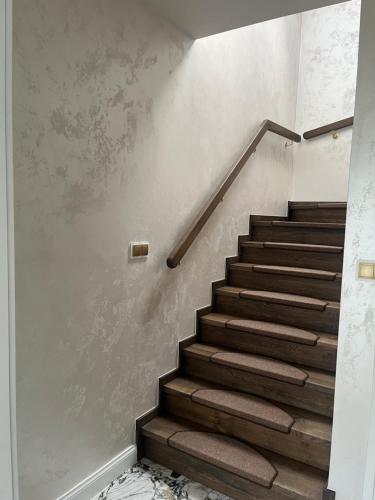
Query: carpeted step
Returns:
{"type": "Point", "coordinates": [305, 388]}
{"type": "Point", "coordinates": [317, 274]}
{"type": "Point", "coordinates": [323, 257]}
{"type": "Point", "coordinates": [261, 365]}
{"type": "Point", "coordinates": [290, 344]}
{"type": "Point", "coordinates": [287, 299]}
{"type": "Point", "coordinates": [226, 453]}
{"type": "Point", "coordinates": [286, 279]}
{"type": "Point", "coordinates": [285, 308]}
{"type": "Point", "coordinates": [293, 432]}
{"type": "Point", "coordinates": [286, 231]}
{"type": "Point", "coordinates": [227, 465]}
{"type": "Point", "coordinates": [264, 328]}
{"type": "Point", "coordinates": [298, 247]}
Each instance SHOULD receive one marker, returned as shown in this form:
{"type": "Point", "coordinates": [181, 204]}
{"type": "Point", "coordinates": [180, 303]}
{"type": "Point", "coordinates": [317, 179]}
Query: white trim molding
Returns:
{"type": "Point", "coordinates": [8, 447]}
{"type": "Point", "coordinates": [94, 483]}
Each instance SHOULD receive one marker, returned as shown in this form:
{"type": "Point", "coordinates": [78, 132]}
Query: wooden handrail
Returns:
{"type": "Point", "coordinates": [184, 244]}
{"type": "Point", "coordinates": [326, 129]}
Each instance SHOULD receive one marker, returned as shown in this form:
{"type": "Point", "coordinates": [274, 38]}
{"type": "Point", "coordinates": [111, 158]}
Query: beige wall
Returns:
{"type": "Point", "coordinates": [326, 93]}
{"type": "Point", "coordinates": [352, 473]}
{"type": "Point", "coordinates": [121, 128]}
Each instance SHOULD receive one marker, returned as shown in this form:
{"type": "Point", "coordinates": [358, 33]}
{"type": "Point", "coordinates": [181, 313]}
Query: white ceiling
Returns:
{"type": "Point", "coordinates": [199, 18]}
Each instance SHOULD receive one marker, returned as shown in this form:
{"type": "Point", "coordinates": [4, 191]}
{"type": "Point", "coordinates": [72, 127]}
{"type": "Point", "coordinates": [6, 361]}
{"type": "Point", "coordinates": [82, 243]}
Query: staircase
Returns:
{"type": "Point", "coordinates": [249, 411]}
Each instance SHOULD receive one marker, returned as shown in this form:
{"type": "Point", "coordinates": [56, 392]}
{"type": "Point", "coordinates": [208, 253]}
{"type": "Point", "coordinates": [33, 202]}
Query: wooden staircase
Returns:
{"type": "Point", "coordinates": [249, 410]}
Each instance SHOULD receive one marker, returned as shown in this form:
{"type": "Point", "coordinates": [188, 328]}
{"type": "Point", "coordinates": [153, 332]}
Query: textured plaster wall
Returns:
{"type": "Point", "coordinates": [122, 127]}
{"type": "Point", "coordinates": [353, 452]}
{"type": "Point", "coordinates": [326, 93]}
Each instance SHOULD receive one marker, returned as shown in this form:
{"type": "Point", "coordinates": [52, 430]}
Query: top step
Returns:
{"type": "Point", "coordinates": [313, 211]}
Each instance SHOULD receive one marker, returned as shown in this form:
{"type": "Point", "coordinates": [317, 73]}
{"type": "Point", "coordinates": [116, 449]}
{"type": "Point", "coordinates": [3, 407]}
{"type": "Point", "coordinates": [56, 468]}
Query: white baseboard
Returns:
{"type": "Point", "coordinates": [96, 482]}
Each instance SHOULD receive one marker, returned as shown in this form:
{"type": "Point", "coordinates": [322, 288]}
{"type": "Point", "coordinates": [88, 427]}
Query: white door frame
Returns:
{"type": "Point", "coordinates": [8, 455]}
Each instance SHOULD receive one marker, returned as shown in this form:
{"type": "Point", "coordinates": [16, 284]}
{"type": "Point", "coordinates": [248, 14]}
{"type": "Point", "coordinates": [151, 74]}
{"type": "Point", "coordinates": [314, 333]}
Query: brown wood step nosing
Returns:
{"type": "Point", "coordinates": [299, 272]}
{"type": "Point", "coordinates": [263, 328]}
{"type": "Point", "coordinates": [298, 247]}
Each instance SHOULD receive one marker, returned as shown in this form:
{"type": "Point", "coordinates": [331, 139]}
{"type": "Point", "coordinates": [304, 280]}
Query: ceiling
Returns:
{"type": "Point", "coordinates": [200, 18]}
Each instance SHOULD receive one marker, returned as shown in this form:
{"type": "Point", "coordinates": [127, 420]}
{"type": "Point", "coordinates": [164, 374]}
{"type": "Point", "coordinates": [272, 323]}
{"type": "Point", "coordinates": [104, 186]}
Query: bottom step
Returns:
{"type": "Point", "coordinates": [228, 465]}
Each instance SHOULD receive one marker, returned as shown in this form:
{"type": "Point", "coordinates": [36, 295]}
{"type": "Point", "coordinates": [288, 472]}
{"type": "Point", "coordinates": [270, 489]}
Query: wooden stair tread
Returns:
{"type": "Point", "coordinates": [320, 380]}
{"type": "Point", "coordinates": [286, 270]}
{"type": "Point", "coordinates": [275, 297]}
{"type": "Point", "coordinates": [226, 453]}
{"type": "Point", "coordinates": [308, 205]}
{"type": "Point", "coordinates": [162, 428]}
{"type": "Point", "coordinates": [274, 330]}
{"type": "Point", "coordinates": [251, 408]}
{"type": "Point", "coordinates": [186, 386]}
{"type": "Point", "coordinates": [296, 480]}
{"type": "Point", "coordinates": [261, 365]}
{"type": "Point", "coordinates": [303, 247]}
{"type": "Point", "coordinates": [304, 422]}
{"type": "Point", "coordinates": [296, 224]}
{"type": "Point", "coordinates": [307, 423]}
{"type": "Point", "coordinates": [291, 479]}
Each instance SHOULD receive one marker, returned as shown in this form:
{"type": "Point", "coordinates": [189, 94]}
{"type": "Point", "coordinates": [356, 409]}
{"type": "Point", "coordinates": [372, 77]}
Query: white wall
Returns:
{"type": "Point", "coordinates": [122, 128]}
{"type": "Point", "coordinates": [8, 468]}
{"type": "Point", "coordinates": [353, 438]}
{"type": "Point", "coordinates": [326, 93]}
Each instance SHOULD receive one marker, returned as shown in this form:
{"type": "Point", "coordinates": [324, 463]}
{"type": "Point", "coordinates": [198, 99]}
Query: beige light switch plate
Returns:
{"type": "Point", "coordinates": [366, 270]}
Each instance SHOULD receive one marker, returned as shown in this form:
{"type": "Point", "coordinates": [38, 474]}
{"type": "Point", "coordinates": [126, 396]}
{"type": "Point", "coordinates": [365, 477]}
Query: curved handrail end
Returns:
{"type": "Point", "coordinates": [171, 263]}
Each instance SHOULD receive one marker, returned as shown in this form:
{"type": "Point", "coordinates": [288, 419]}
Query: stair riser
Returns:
{"type": "Point", "coordinates": [324, 321]}
{"type": "Point", "coordinates": [277, 257]}
{"type": "Point", "coordinates": [209, 475]}
{"type": "Point", "coordinates": [311, 287]}
{"type": "Point", "coordinates": [308, 235]}
{"type": "Point", "coordinates": [318, 215]}
{"type": "Point", "coordinates": [294, 445]}
{"type": "Point", "coordinates": [305, 397]}
{"type": "Point", "coordinates": [320, 356]}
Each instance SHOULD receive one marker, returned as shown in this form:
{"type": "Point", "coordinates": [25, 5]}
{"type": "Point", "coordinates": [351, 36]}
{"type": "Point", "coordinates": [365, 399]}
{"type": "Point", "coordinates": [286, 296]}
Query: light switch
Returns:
{"type": "Point", "coordinates": [366, 270]}
{"type": "Point", "coordinates": [139, 249]}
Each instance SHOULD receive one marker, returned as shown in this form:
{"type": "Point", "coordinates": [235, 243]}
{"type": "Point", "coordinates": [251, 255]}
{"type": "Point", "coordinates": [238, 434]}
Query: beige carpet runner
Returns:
{"type": "Point", "coordinates": [226, 453]}
{"type": "Point", "coordinates": [262, 366]}
{"type": "Point", "coordinates": [285, 299]}
{"type": "Point", "coordinates": [245, 406]}
{"type": "Point", "coordinates": [278, 331]}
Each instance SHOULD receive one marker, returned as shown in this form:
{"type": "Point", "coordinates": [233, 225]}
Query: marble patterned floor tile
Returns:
{"type": "Point", "coordinates": [149, 481]}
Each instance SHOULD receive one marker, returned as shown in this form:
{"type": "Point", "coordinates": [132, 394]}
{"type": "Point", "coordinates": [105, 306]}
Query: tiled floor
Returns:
{"type": "Point", "coordinates": [148, 481]}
